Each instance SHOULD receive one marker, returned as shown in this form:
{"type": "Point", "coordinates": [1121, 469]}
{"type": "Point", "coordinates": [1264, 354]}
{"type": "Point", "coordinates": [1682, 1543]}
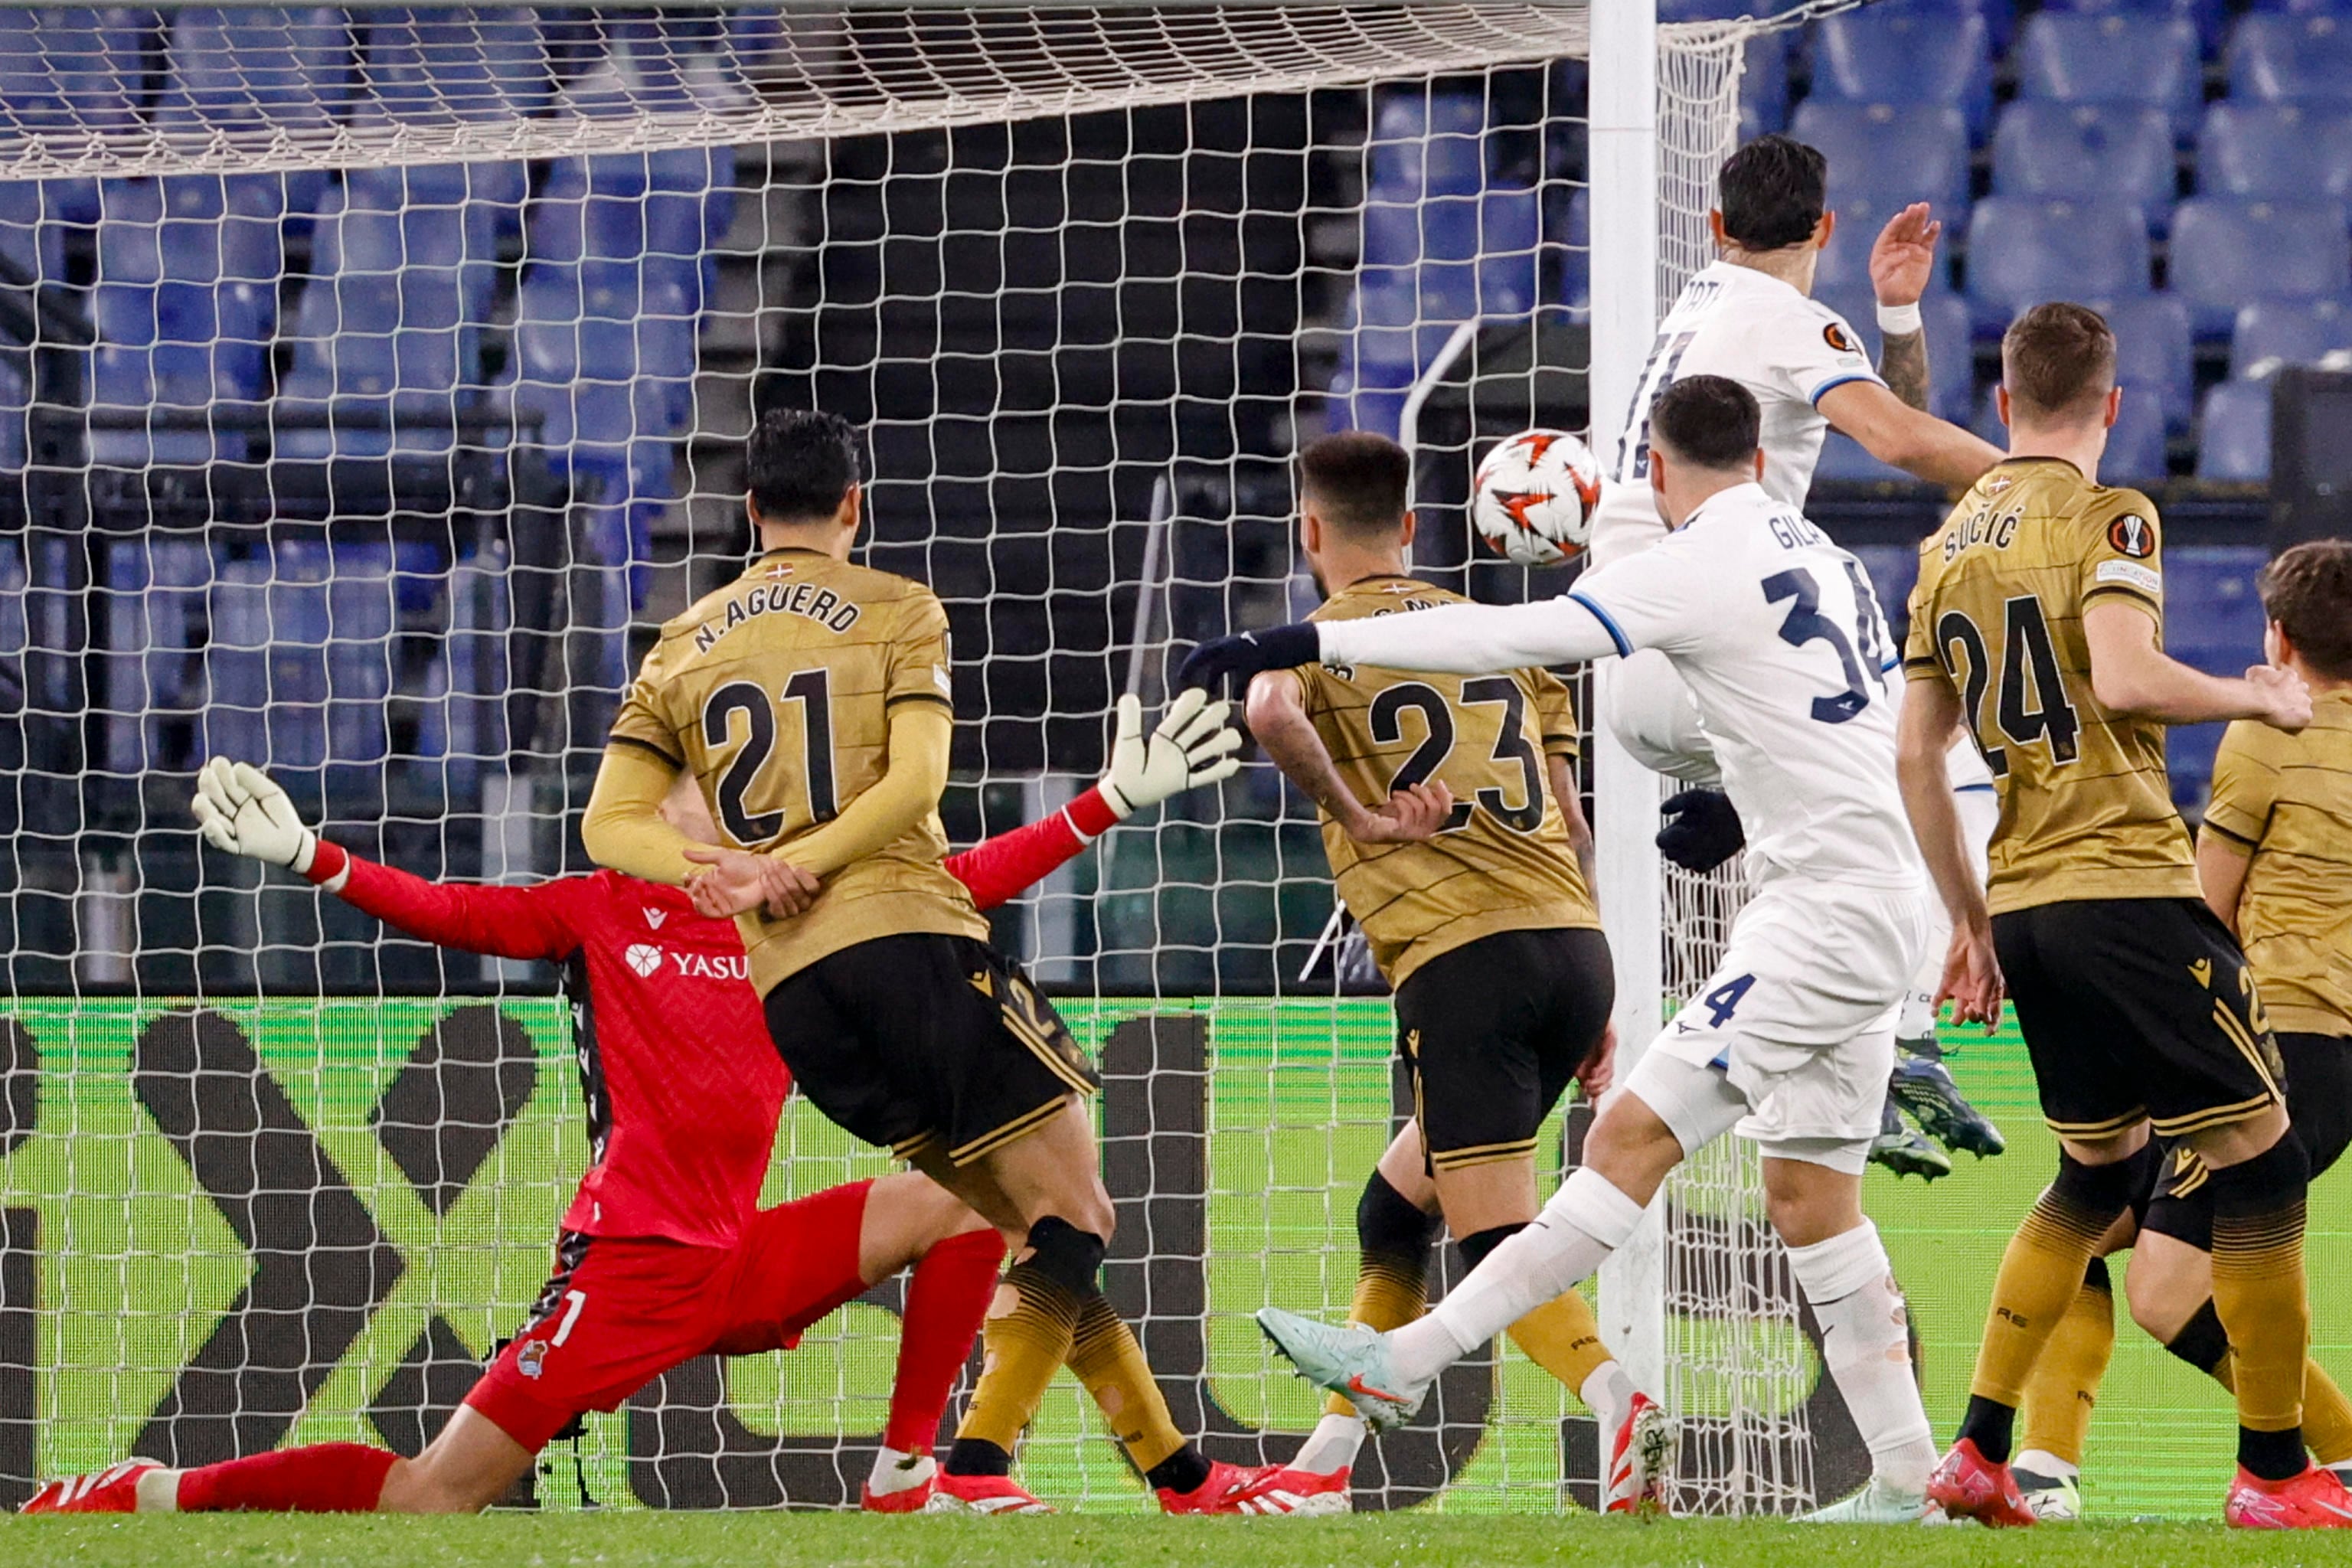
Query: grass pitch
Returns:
{"type": "Point", "coordinates": [848, 1541]}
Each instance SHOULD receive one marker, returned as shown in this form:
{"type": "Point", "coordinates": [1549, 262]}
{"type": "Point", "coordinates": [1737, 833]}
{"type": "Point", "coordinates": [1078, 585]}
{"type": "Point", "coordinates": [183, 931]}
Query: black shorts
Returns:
{"type": "Point", "coordinates": [926, 1043]}
{"type": "Point", "coordinates": [2319, 1106]}
{"type": "Point", "coordinates": [1494, 1031]}
{"type": "Point", "coordinates": [2136, 1007]}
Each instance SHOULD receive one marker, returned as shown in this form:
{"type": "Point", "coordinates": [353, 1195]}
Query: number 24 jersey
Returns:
{"type": "Point", "coordinates": [2085, 804]}
{"type": "Point", "coordinates": [776, 692]}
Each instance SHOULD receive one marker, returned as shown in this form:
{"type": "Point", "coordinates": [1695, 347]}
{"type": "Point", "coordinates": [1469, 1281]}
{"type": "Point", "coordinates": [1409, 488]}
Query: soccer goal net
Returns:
{"type": "Point", "coordinates": [372, 383]}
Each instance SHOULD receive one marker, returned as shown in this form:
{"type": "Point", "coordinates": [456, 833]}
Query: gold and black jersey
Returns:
{"type": "Point", "coordinates": [2285, 801]}
{"type": "Point", "coordinates": [2085, 806]}
{"type": "Point", "coordinates": [776, 692]}
{"type": "Point", "coordinates": [1504, 863]}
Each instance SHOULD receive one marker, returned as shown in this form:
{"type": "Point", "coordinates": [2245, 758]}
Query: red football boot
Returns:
{"type": "Point", "coordinates": [1256, 1489]}
{"type": "Point", "coordinates": [1640, 1460]}
{"type": "Point", "coordinates": [114, 1489]}
{"type": "Point", "coordinates": [982, 1494]}
{"type": "Point", "coordinates": [2314, 1499]}
{"type": "Point", "coordinates": [1966, 1485]}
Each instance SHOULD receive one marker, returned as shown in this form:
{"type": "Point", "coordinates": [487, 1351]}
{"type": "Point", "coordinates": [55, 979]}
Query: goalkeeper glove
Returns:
{"type": "Point", "coordinates": [242, 811]}
{"type": "Point", "coordinates": [1252, 653]}
{"type": "Point", "coordinates": [1193, 746]}
{"type": "Point", "coordinates": [1702, 830]}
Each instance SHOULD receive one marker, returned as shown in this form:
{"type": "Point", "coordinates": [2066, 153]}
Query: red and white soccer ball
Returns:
{"type": "Point", "coordinates": [1534, 496]}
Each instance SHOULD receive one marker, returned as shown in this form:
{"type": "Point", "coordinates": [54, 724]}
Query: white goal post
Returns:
{"type": "Point", "coordinates": [373, 379]}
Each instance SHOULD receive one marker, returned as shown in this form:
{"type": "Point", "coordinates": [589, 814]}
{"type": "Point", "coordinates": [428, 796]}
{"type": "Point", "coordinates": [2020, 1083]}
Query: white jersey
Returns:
{"type": "Point", "coordinates": [1777, 632]}
{"type": "Point", "coordinates": [1748, 326]}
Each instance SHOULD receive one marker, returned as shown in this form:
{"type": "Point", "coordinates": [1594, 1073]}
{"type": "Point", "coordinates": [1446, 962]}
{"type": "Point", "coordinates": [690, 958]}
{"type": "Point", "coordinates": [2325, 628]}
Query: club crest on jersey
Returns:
{"type": "Point", "coordinates": [643, 957]}
{"type": "Point", "coordinates": [1835, 335]}
{"type": "Point", "coordinates": [531, 1359]}
{"type": "Point", "coordinates": [2133, 535]}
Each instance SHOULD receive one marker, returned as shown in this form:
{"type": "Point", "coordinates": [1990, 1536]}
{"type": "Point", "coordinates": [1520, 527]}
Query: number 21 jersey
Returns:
{"type": "Point", "coordinates": [776, 693]}
{"type": "Point", "coordinates": [2085, 804]}
{"type": "Point", "coordinates": [1504, 863]}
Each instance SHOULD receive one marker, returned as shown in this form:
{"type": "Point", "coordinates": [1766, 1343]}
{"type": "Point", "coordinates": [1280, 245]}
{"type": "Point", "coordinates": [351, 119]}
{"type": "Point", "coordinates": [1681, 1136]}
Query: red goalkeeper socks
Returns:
{"type": "Point", "coordinates": [326, 1477]}
{"type": "Point", "coordinates": [946, 1301]}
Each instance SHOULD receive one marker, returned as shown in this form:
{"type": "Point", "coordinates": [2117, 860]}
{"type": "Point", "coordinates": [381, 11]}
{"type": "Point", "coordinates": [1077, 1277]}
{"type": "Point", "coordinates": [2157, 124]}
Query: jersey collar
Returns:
{"type": "Point", "coordinates": [1723, 502]}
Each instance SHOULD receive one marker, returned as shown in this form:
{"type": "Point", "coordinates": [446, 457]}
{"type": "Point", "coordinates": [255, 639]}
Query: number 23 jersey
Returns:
{"type": "Point", "coordinates": [2085, 804]}
{"type": "Point", "coordinates": [1505, 865]}
{"type": "Point", "coordinates": [776, 692]}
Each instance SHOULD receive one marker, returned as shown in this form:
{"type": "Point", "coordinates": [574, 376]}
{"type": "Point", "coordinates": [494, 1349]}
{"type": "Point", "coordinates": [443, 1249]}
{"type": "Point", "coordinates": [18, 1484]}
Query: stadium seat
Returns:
{"type": "Point", "coordinates": [152, 675]}
{"type": "Point", "coordinates": [2135, 454]}
{"type": "Point", "coordinates": [1905, 54]}
{"type": "Point", "coordinates": [1861, 211]}
{"type": "Point", "coordinates": [2155, 354]}
{"type": "Point", "coordinates": [2234, 440]}
{"type": "Point", "coordinates": [1432, 144]}
{"type": "Point", "coordinates": [2275, 151]}
{"type": "Point", "coordinates": [1568, 223]}
{"type": "Point", "coordinates": [1888, 148]}
{"type": "Point", "coordinates": [2086, 151]}
{"type": "Point", "coordinates": [2270, 333]}
{"type": "Point", "coordinates": [2205, 15]}
{"type": "Point", "coordinates": [299, 661]}
{"type": "Point", "coordinates": [1951, 367]}
{"type": "Point", "coordinates": [2225, 252]}
{"type": "Point", "coordinates": [1764, 84]}
{"type": "Point", "coordinates": [2214, 620]}
{"type": "Point", "coordinates": [2113, 58]}
{"type": "Point", "coordinates": [251, 68]}
{"type": "Point", "coordinates": [437, 65]}
{"type": "Point", "coordinates": [2293, 59]}
{"type": "Point", "coordinates": [2022, 251]}
{"type": "Point", "coordinates": [29, 241]}
{"type": "Point", "coordinates": [666, 209]}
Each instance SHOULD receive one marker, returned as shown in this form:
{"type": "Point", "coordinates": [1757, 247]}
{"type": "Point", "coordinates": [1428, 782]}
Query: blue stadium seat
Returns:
{"type": "Point", "coordinates": [257, 68]}
{"type": "Point", "coordinates": [2064, 59]}
{"type": "Point", "coordinates": [2225, 252]}
{"type": "Point", "coordinates": [1918, 148]}
{"type": "Point", "coordinates": [1951, 367]}
{"type": "Point", "coordinates": [440, 64]}
{"type": "Point", "coordinates": [185, 304]}
{"type": "Point", "coordinates": [1844, 461]}
{"type": "Point", "coordinates": [2213, 620]}
{"type": "Point", "coordinates": [28, 238]}
{"type": "Point", "coordinates": [2022, 252]}
{"type": "Point", "coordinates": [2270, 333]}
{"type": "Point", "coordinates": [2234, 440]}
{"type": "Point", "coordinates": [1764, 84]}
{"type": "Point", "coordinates": [299, 659]}
{"type": "Point", "coordinates": [1906, 54]}
{"type": "Point", "coordinates": [482, 202]}
{"type": "Point", "coordinates": [1570, 223]}
{"type": "Point", "coordinates": [2275, 151]}
{"type": "Point", "coordinates": [1431, 145]}
{"type": "Point", "coordinates": [2135, 454]}
{"type": "Point", "coordinates": [2205, 15]}
{"type": "Point", "coordinates": [2293, 59]}
{"type": "Point", "coordinates": [2155, 354]}
{"type": "Point", "coordinates": [666, 208]}
{"type": "Point", "coordinates": [1861, 211]}
{"type": "Point", "coordinates": [151, 676]}
{"type": "Point", "coordinates": [2086, 151]}
{"type": "Point", "coordinates": [64, 71]}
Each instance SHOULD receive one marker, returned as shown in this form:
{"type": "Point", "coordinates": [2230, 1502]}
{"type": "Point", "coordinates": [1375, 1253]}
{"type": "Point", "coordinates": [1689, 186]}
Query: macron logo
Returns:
{"type": "Point", "coordinates": [654, 918]}
{"type": "Point", "coordinates": [643, 957]}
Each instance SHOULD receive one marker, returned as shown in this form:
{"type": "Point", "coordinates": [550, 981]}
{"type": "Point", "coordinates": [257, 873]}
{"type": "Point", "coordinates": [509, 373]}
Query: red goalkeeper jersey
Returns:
{"type": "Point", "coordinates": [682, 1088]}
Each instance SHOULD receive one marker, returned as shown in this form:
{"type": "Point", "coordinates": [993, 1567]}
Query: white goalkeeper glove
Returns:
{"type": "Point", "coordinates": [1193, 746]}
{"type": "Point", "coordinates": [243, 812]}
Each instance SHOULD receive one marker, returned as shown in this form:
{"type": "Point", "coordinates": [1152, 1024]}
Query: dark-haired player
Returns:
{"type": "Point", "coordinates": [2037, 625]}
{"type": "Point", "coordinates": [1777, 632]}
{"type": "Point", "coordinates": [2275, 860]}
{"type": "Point", "coordinates": [810, 700]}
{"type": "Point", "coordinates": [1750, 315]}
{"type": "Point", "coordinates": [1479, 915]}
{"type": "Point", "coordinates": [665, 1253]}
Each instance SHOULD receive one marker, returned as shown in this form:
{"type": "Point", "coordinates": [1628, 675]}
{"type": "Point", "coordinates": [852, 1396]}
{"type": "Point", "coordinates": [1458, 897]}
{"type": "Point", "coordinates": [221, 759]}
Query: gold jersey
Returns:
{"type": "Point", "coordinates": [1504, 863]}
{"type": "Point", "coordinates": [776, 693]}
{"type": "Point", "coordinates": [2085, 804]}
{"type": "Point", "coordinates": [2286, 802]}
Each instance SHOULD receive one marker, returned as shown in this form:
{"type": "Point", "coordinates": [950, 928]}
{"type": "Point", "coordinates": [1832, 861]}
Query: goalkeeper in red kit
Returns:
{"type": "Point", "coordinates": [663, 1254]}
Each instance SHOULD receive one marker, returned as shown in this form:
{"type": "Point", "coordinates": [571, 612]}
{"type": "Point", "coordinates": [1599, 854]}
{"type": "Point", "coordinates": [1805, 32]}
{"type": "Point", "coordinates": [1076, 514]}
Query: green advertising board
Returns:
{"type": "Point", "coordinates": [235, 1224]}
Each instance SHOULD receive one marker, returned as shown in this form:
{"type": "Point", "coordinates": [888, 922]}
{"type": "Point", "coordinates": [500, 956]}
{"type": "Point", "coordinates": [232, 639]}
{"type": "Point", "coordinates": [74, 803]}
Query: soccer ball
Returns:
{"type": "Point", "coordinates": [1534, 496]}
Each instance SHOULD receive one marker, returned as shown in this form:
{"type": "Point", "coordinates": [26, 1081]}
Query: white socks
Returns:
{"type": "Point", "coordinates": [1867, 1346]}
{"type": "Point", "coordinates": [1585, 1221]}
{"type": "Point", "coordinates": [1331, 1446]}
{"type": "Point", "coordinates": [897, 1472]}
{"type": "Point", "coordinates": [2042, 1462]}
{"type": "Point", "coordinates": [1608, 1394]}
{"type": "Point", "coordinates": [159, 1492]}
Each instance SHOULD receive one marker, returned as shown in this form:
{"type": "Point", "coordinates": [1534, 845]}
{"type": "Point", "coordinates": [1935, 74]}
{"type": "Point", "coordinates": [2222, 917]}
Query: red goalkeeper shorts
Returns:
{"type": "Point", "coordinates": [621, 1311]}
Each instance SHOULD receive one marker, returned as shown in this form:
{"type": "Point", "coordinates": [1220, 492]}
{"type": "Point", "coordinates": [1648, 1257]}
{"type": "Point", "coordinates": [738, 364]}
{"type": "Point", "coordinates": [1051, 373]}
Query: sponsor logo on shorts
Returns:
{"type": "Point", "coordinates": [531, 1359]}
{"type": "Point", "coordinates": [2202, 971]}
{"type": "Point", "coordinates": [2133, 535]}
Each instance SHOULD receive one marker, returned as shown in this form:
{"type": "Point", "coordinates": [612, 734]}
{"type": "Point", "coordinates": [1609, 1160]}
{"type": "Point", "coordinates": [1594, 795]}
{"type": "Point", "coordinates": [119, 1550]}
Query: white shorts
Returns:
{"type": "Point", "coordinates": [1655, 717]}
{"type": "Point", "coordinates": [1797, 1021]}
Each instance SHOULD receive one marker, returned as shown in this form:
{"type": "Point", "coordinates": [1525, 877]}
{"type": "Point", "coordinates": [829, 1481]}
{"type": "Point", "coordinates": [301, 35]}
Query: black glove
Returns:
{"type": "Point", "coordinates": [1702, 830]}
{"type": "Point", "coordinates": [1277, 648]}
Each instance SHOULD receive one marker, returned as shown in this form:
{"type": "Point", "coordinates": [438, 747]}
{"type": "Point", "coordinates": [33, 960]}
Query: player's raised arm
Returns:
{"type": "Point", "coordinates": [2133, 675]}
{"type": "Point", "coordinates": [1193, 746]}
{"type": "Point", "coordinates": [1450, 639]}
{"type": "Point", "coordinates": [1905, 438]}
{"type": "Point", "coordinates": [242, 811]}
